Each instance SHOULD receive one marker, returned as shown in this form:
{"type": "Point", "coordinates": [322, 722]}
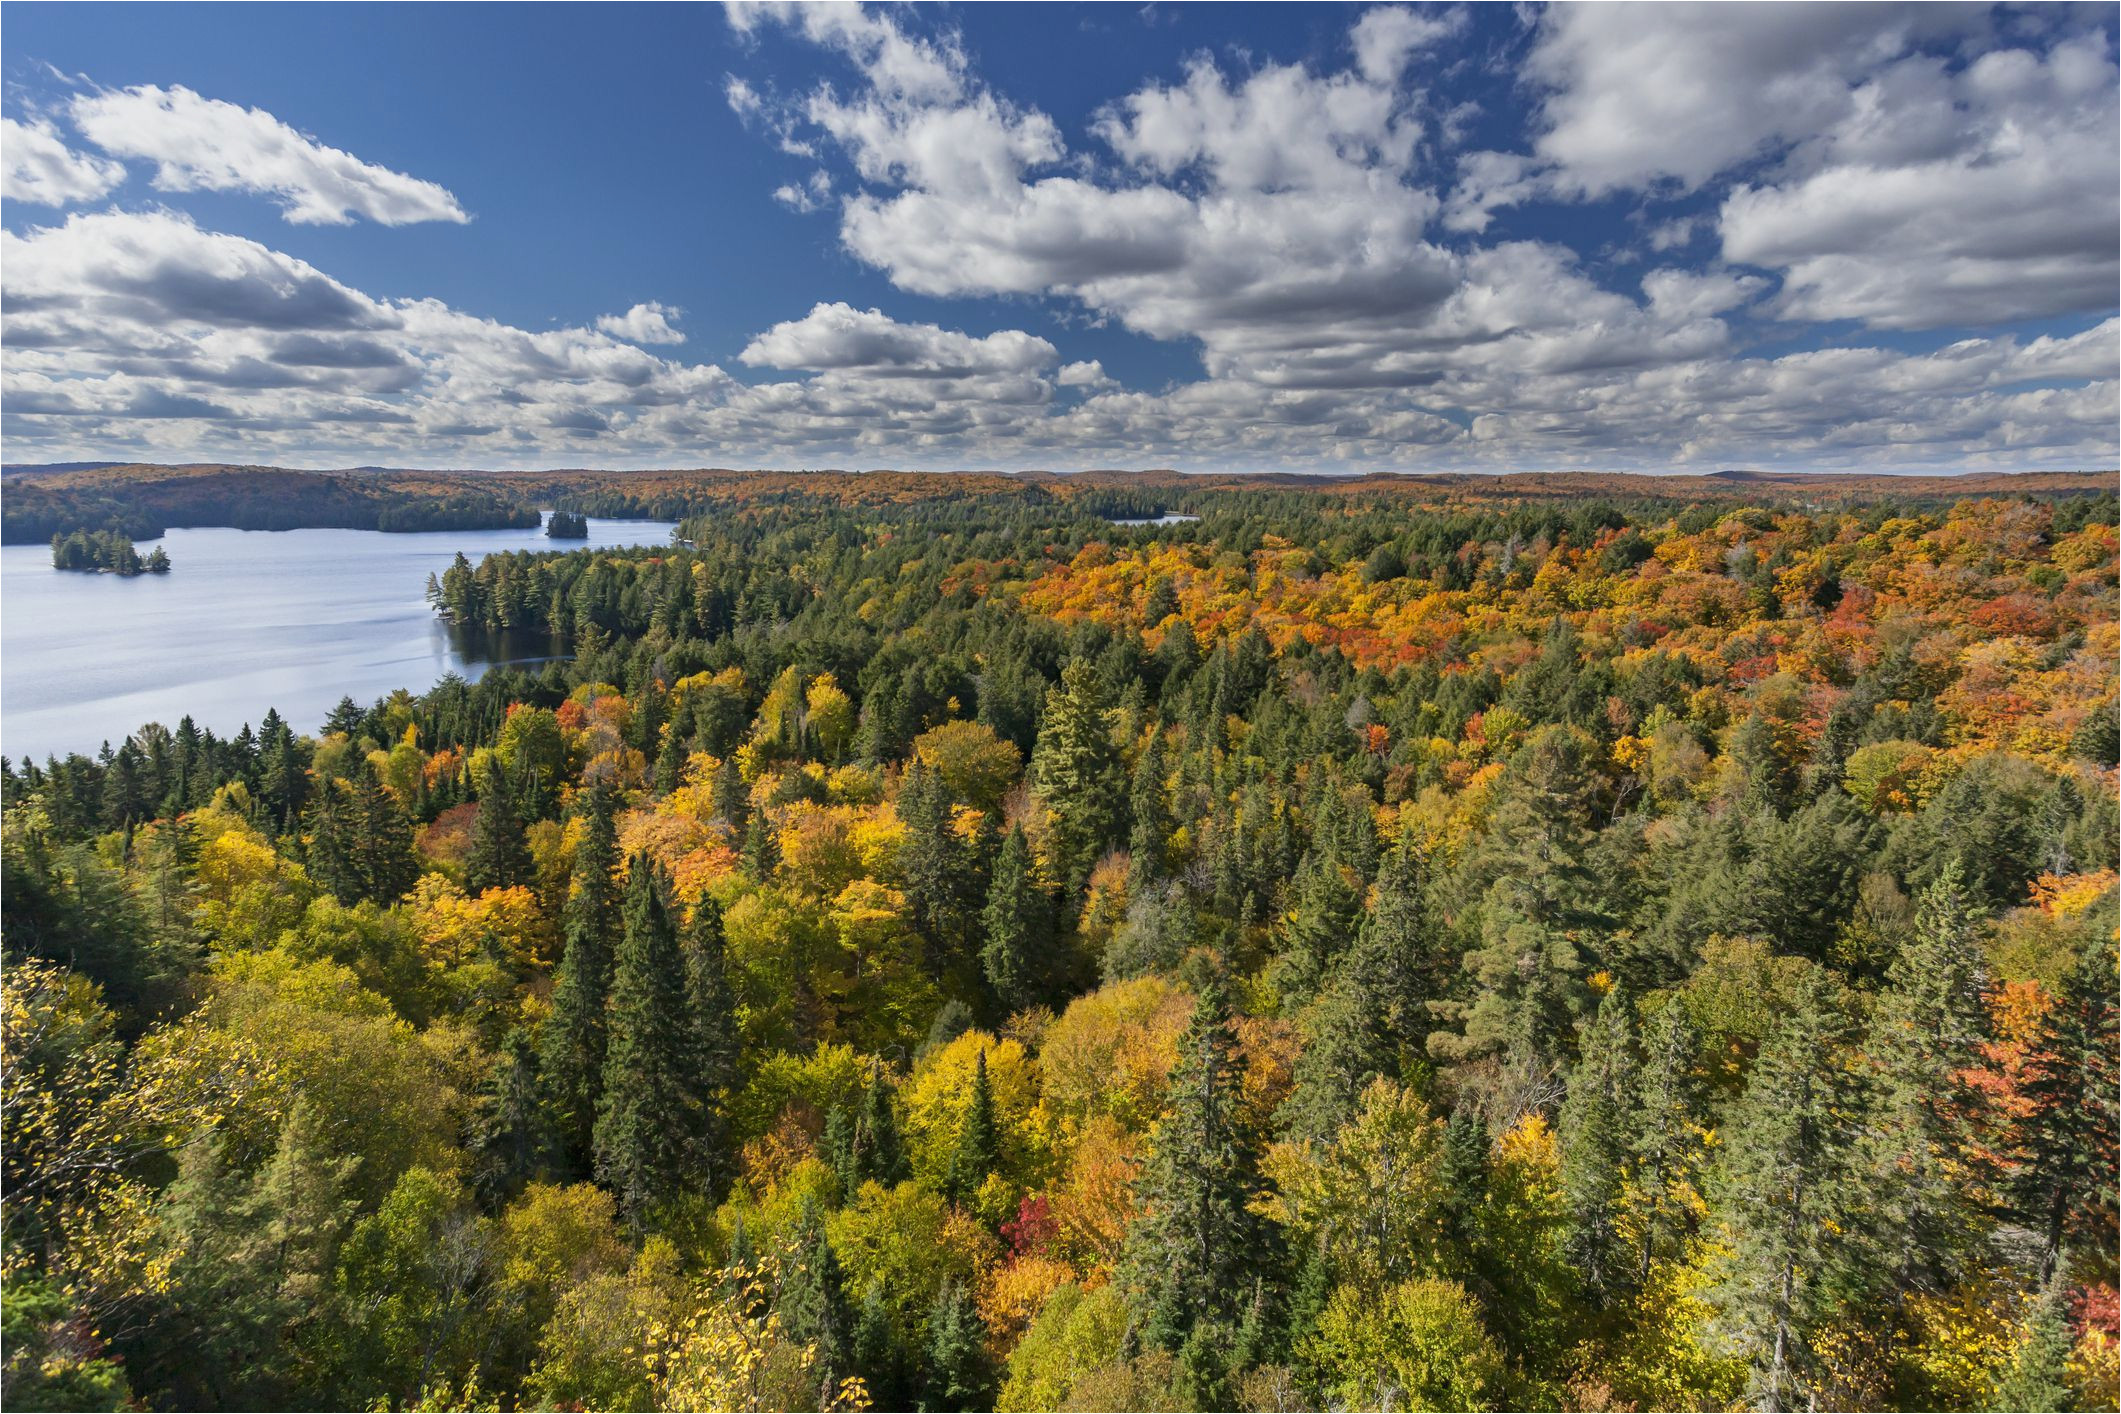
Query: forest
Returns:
{"type": "Point", "coordinates": [1599, 946]}
{"type": "Point", "coordinates": [105, 552]}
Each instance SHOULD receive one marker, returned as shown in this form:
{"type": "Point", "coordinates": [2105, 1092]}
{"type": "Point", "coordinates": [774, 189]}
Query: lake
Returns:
{"type": "Point", "coordinates": [244, 620]}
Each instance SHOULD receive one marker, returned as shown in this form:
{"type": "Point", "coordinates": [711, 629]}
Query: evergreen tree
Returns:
{"type": "Point", "coordinates": [877, 1353]}
{"type": "Point", "coordinates": [1926, 1031]}
{"type": "Point", "coordinates": [1076, 770]}
{"type": "Point", "coordinates": [389, 868]}
{"type": "Point", "coordinates": [572, 1041]}
{"type": "Point", "coordinates": [813, 1300]}
{"type": "Point", "coordinates": [1018, 922]}
{"type": "Point", "coordinates": [500, 851]}
{"type": "Point", "coordinates": [960, 1376]}
{"type": "Point", "coordinates": [978, 1139]}
{"type": "Point", "coordinates": [334, 858]}
{"type": "Point", "coordinates": [510, 1140]}
{"type": "Point", "coordinates": [2038, 1379]}
{"type": "Point", "coordinates": [1787, 1200]}
{"type": "Point", "coordinates": [712, 1072]}
{"type": "Point", "coordinates": [2065, 1185]}
{"type": "Point", "coordinates": [1151, 824]}
{"type": "Point", "coordinates": [1596, 1124]}
{"type": "Point", "coordinates": [941, 878]}
{"type": "Point", "coordinates": [645, 1122]}
{"type": "Point", "coordinates": [872, 1150]}
{"type": "Point", "coordinates": [1190, 1255]}
{"type": "Point", "coordinates": [762, 848]}
{"type": "Point", "coordinates": [1666, 1146]}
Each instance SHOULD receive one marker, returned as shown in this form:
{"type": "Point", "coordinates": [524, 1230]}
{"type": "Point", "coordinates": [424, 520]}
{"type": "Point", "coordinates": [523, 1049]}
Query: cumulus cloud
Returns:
{"type": "Point", "coordinates": [650, 323]}
{"type": "Point", "coordinates": [840, 337]}
{"type": "Point", "coordinates": [204, 144]}
{"type": "Point", "coordinates": [37, 166]}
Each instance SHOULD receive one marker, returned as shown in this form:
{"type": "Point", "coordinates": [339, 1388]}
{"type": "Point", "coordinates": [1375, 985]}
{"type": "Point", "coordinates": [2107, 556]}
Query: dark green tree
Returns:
{"type": "Point", "coordinates": [959, 1373]}
{"type": "Point", "coordinates": [2065, 1186]}
{"type": "Point", "coordinates": [813, 1300]}
{"type": "Point", "coordinates": [645, 1121]}
{"type": "Point", "coordinates": [1597, 1122]}
{"type": "Point", "coordinates": [511, 1136]}
{"type": "Point", "coordinates": [1190, 1255]}
{"type": "Point", "coordinates": [712, 1072]}
{"type": "Point", "coordinates": [572, 1040]}
{"type": "Point", "coordinates": [500, 850]}
{"type": "Point", "coordinates": [1016, 957]}
{"type": "Point", "coordinates": [1076, 770]}
{"type": "Point", "coordinates": [978, 1138]}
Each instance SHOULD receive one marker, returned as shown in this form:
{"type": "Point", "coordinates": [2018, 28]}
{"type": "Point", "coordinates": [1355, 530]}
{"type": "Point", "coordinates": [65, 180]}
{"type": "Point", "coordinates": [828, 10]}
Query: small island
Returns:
{"type": "Point", "coordinates": [566, 525]}
{"type": "Point", "coordinates": [105, 552]}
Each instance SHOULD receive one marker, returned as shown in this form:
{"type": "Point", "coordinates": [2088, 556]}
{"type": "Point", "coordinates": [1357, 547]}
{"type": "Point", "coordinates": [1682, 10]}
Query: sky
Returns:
{"type": "Point", "coordinates": [1216, 238]}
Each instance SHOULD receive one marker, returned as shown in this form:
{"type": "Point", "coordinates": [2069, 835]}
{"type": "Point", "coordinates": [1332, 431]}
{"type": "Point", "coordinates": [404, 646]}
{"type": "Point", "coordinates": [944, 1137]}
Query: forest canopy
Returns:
{"type": "Point", "coordinates": [921, 944]}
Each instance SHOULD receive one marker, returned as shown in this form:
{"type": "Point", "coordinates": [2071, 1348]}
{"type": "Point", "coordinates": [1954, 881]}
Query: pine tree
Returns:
{"type": "Point", "coordinates": [941, 879]}
{"type": "Point", "coordinates": [1787, 1198]}
{"type": "Point", "coordinates": [762, 848]}
{"type": "Point", "coordinates": [645, 1122]}
{"type": "Point", "coordinates": [500, 852]}
{"type": "Point", "coordinates": [1926, 1032]}
{"type": "Point", "coordinates": [869, 1148]}
{"type": "Point", "coordinates": [877, 1354]}
{"type": "Point", "coordinates": [813, 1299]}
{"type": "Point", "coordinates": [1322, 925]}
{"type": "Point", "coordinates": [1018, 922]}
{"type": "Point", "coordinates": [572, 1041]}
{"type": "Point", "coordinates": [960, 1376]}
{"type": "Point", "coordinates": [978, 1139]}
{"type": "Point", "coordinates": [1596, 1123]}
{"type": "Point", "coordinates": [510, 1139]}
{"type": "Point", "coordinates": [1190, 1254]}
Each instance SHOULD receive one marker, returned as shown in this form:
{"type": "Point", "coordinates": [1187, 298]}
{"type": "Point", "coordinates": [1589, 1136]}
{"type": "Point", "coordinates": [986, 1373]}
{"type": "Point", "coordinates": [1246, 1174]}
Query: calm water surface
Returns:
{"type": "Point", "coordinates": [244, 620]}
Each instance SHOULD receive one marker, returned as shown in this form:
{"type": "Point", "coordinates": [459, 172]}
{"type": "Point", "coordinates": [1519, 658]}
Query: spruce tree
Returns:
{"type": "Point", "coordinates": [1076, 771]}
{"type": "Point", "coordinates": [500, 852]}
{"type": "Point", "coordinates": [334, 858]}
{"type": "Point", "coordinates": [813, 1300]}
{"type": "Point", "coordinates": [1018, 921]}
{"type": "Point", "coordinates": [645, 1121]}
{"type": "Point", "coordinates": [942, 887]}
{"type": "Point", "coordinates": [1596, 1123]}
{"type": "Point", "coordinates": [711, 1012]}
{"type": "Point", "coordinates": [1787, 1200]}
{"type": "Point", "coordinates": [1926, 1031]}
{"type": "Point", "coordinates": [960, 1376]}
{"type": "Point", "coordinates": [510, 1137]}
{"type": "Point", "coordinates": [2065, 1186]}
{"type": "Point", "coordinates": [1150, 830]}
{"type": "Point", "coordinates": [872, 1150]}
{"type": "Point", "coordinates": [978, 1139]}
{"type": "Point", "coordinates": [389, 868]}
{"type": "Point", "coordinates": [572, 1041]}
{"type": "Point", "coordinates": [1667, 1145]}
{"type": "Point", "coordinates": [2038, 1379]}
{"type": "Point", "coordinates": [1191, 1252]}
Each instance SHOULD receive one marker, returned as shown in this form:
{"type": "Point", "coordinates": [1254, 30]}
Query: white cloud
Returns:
{"type": "Point", "coordinates": [650, 323]}
{"type": "Point", "coordinates": [1687, 294]}
{"type": "Point", "coordinates": [37, 166]}
{"type": "Point", "coordinates": [840, 337]}
{"type": "Point", "coordinates": [1089, 373]}
{"type": "Point", "coordinates": [1387, 36]}
{"type": "Point", "coordinates": [203, 144]}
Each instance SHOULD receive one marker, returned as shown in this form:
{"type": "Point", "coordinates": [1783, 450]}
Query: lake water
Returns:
{"type": "Point", "coordinates": [244, 620]}
{"type": "Point", "coordinates": [1173, 519]}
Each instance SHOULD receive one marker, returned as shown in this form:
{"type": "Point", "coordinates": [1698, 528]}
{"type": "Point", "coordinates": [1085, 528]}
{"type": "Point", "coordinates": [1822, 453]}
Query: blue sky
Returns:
{"type": "Point", "coordinates": [1215, 237]}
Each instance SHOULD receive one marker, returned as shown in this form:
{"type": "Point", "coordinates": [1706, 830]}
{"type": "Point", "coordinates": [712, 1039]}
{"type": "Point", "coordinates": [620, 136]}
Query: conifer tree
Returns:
{"type": "Point", "coordinates": [877, 1354]}
{"type": "Point", "coordinates": [872, 1149]}
{"type": "Point", "coordinates": [1151, 825]}
{"type": "Point", "coordinates": [2065, 1186]}
{"type": "Point", "coordinates": [1191, 1252]}
{"type": "Point", "coordinates": [942, 886]}
{"type": "Point", "coordinates": [1596, 1123]}
{"type": "Point", "coordinates": [762, 848]}
{"type": "Point", "coordinates": [571, 1043]}
{"type": "Point", "coordinates": [645, 1120]}
{"type": "Point", "coordinates": [1018, 923]}
{"type": "Point", "coordinates": [813, 1299]}
{"type": "Point", "coordinates": [1787, 1198]}
{"type": "Point", "coordinates": [510, 1136]}
{"type": "Point", "coordinates": [2038, 1379]}
{"type": "Point", "coordinates": [1925, 1033]}
{"type": "Point", "coordinates": [389, 868]}
{"type": "Point", "coordinates": [500, 853]}
{"type": "Point", "coordinates": [960, 1376]}
{"type": "Point", "coordinates": [1076, 771]}
{"type": "Point", "coordinates": [978, 1138]}
{"type": "Point", "coordinates": [334, 847]}
{"type": "Point", "coordinates": [711, 1012]}
{"type": "Point", "coordinates": [1667, 1144]}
